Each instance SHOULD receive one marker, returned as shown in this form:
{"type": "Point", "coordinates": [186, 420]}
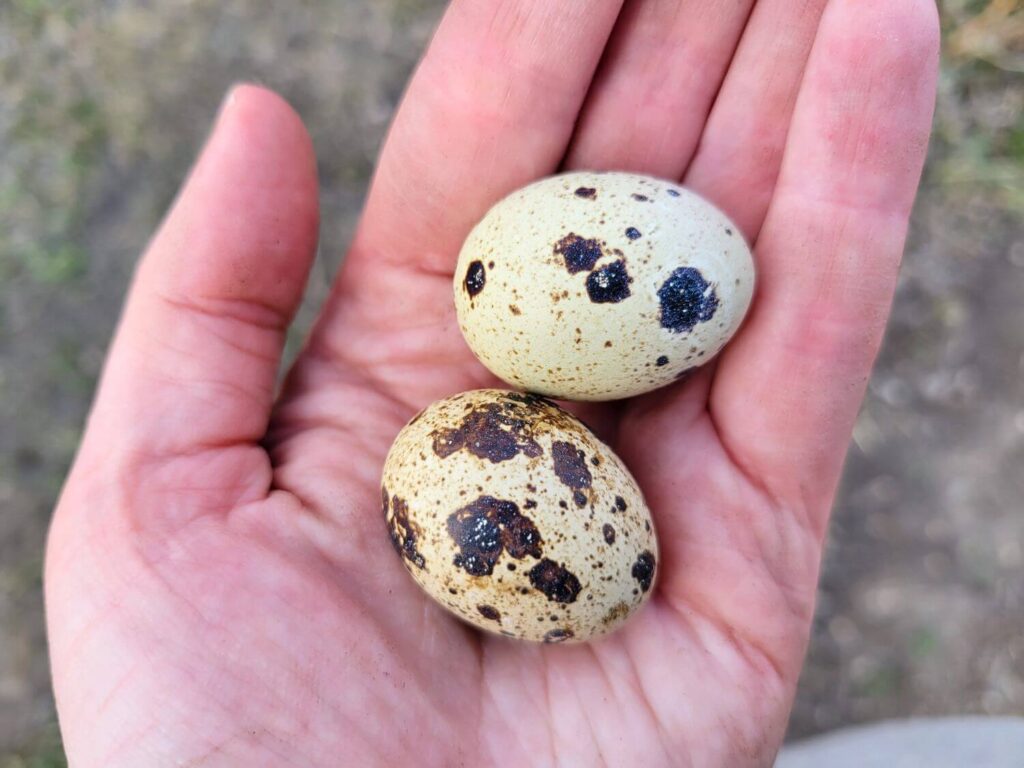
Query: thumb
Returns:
{"type": "Point", "coordinates": [193, 365]}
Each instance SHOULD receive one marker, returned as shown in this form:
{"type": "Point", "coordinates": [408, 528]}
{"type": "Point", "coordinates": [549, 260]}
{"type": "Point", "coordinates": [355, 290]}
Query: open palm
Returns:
{"type": "Point", "coordinates": [221, 588]}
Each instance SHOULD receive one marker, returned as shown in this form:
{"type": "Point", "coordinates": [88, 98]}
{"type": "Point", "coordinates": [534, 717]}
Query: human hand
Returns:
{"type": "Point", "coordinates": [220, 586]}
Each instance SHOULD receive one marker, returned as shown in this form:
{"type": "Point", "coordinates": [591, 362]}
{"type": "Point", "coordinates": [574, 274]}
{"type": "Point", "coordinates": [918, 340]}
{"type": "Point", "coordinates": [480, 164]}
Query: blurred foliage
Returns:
{"type": "Point", "coordinates": [979, 129]}
{"type": "Point", "coordinates": [44, 751]}
{"type": "Point", "coordinates": [923, 642]}
{"type": "Point", "coordinates": [995, 33]}
{"type": "Point", "coordinates": [55, 136]}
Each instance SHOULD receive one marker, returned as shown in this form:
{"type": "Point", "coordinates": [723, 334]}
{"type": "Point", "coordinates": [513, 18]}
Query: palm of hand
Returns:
{"type": "Point", "coordinates": [220, 586]}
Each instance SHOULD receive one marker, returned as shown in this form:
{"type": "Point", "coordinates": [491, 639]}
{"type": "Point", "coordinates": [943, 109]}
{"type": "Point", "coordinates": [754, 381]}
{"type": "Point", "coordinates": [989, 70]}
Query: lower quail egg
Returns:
{"type": "Point", "coordinates": [509, 512]}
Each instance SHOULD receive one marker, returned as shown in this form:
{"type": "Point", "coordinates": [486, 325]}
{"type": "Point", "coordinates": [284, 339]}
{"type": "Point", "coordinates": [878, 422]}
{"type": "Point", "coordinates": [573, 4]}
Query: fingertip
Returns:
{"type": "Point", "coordinates": [922, 32]}
{"type": "Point", "coordinates": [249, 211]}
{"type": "Point", "coordinates": [904, 34]}
{"type": "Point", "coordinates": [916, 20]}
{"type": "Point", "coordinates": [255, 104]}
{"type": "Point", "coordinates": [258, 121]}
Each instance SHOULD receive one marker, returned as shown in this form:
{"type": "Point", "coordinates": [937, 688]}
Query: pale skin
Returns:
{"type": "Point", "coordinates": [220, 585]}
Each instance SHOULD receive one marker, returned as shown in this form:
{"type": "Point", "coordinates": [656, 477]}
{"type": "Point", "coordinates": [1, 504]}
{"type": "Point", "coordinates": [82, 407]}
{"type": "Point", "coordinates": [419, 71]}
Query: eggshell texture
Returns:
{"type": "Point", "coordinates": [509, 512]}
{"type": "Point", "coordinates": [597, 286]}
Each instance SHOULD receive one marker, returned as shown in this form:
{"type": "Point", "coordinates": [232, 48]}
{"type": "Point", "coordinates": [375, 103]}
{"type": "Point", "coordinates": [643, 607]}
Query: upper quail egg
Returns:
{"type": "Point", "coordinates": [597, 286]}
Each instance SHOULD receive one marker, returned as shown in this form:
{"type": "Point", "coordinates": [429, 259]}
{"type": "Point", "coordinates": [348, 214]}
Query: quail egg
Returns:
{"type": "Point", "coordinates": [511, 514]}
{"type": "Point", "coordinates": [598, 286]}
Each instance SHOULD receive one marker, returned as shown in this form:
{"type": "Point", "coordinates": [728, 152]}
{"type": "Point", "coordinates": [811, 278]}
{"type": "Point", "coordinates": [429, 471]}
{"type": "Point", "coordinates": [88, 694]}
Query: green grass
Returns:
{"type": "Point", "coordinates": [978, 144]}
{"type": "Point", "coordinates": [923, 642]}
{"type": "Point", "coordinates": [882, 683]}
{"type": "Point", "coordinates": [55, 140]}
{"type": "Point", "coordinates": [44, 751]}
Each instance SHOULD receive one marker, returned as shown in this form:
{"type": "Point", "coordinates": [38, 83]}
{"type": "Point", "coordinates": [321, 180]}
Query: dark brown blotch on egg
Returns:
{"type": "Point", "coordinates": [489, 432]}
{"type": "Point", "coordinates": [558, 635]}
{"type": "Point", "coordinates": [643, 569]}
{"type": "Point", "coordinates": [476, 278]}
{"type": "Point", "coordinates": [609, 284]}
{"type": "Point", "coordinates": [404, 533]}
{"type": "Point", "coordinates": [555, 581]}
{"type": "Point", "coordinates": [489, 612]}
{"type": "Point", "coordinates": [580, 254]}
{"type": "Point", "coordinates": [487, 527]}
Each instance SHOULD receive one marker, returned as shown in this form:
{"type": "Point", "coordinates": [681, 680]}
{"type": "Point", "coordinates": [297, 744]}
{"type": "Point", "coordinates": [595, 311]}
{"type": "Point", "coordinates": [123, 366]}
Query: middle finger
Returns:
{"type": "Point", "coordinates": [655, 87]}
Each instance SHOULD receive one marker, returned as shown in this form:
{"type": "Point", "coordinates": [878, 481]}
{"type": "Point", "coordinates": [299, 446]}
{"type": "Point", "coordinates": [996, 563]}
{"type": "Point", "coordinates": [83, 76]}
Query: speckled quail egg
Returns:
{"type": "Point", "coordinates": [509, 512]}
{"type": "Point", "coordinates": [597, 286]}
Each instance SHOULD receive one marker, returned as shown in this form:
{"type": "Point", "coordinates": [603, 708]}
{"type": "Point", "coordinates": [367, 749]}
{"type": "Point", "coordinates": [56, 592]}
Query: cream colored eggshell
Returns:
{"type": "Point", "coordinates": [574, 561]}
{"type": "Point", "coordinates": [533, 323]}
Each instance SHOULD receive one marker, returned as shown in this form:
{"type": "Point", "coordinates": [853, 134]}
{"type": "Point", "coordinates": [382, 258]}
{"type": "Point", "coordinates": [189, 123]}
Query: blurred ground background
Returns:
{"type": "Point", "coordinates": [103, 104]}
